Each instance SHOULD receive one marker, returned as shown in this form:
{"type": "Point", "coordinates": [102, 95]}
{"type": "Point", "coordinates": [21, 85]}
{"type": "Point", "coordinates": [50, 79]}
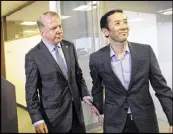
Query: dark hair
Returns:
{"type": "Point", "coordinates": [104, 18]}
{"type": "Point", "coordinates": [40, 19]}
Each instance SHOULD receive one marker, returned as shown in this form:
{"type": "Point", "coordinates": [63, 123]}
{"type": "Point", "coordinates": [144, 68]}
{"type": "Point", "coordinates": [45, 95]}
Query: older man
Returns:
{"type": "Point", "coordinates": [54, 82]}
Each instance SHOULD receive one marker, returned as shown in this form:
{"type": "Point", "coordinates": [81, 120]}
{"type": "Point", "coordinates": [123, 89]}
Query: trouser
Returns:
{"type": "Point", "coordinates": [77, 127]}
{"type": "Point", "coordinates": [130, 126]}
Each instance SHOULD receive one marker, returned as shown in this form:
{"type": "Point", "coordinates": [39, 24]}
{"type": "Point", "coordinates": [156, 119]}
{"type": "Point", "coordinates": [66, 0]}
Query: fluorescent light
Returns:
{"type": "Point", "coordinates": [28, 23]}
{"type": "Point", "coordinates": [93, 3]}
{"type": "Point", "coordinates": [64, 17]}
{"type": "Point", "coordinates": [29, 31]}
{"type": "Point", "coordinates": [84, 8]}
{"type": "Point", "coordinates": [166, 11]}
{"type": "Point", "coordinates": [133, 20]}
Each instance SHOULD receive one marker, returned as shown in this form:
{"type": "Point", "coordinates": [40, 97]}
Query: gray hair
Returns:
{"type": "Point", "coordinates": [40, 19]}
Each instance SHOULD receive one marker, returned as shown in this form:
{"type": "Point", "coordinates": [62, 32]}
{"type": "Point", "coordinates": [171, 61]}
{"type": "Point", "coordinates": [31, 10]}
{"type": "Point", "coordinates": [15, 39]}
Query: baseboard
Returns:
{"type": "Point", "coordinates": [21, 106]}
{"type": "Point", "coordinates": [92, 126]}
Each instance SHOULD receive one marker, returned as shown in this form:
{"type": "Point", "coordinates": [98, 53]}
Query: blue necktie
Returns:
{"type": "Point", "coordinates": [60, 62]}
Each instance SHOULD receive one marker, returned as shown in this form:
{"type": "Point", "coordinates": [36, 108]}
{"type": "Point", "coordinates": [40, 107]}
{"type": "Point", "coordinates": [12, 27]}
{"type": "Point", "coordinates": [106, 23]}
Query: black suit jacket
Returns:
{"type": "Point", "coordinates": [144, 68]}
{"type": "Point", "coordinates": [48, 94]}
{"type": "Point", "coordinates": [9, 121]}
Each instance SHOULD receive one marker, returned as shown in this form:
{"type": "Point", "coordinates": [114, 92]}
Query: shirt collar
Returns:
{"type": "Point", "coordinates": [112, 53]}
{"type": "Point", "coordinates": [50, 46]}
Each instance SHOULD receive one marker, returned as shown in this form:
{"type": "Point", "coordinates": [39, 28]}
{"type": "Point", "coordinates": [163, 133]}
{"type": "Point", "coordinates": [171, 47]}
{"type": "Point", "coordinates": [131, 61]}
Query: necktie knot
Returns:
{"type": "Point", "coordinates": [56, 47]}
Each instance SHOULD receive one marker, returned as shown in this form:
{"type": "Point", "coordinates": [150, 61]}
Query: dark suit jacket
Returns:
{"type": "Point", "coordinates": [9, 122]}
{"type": "Point", "coordinates": [54, 104]}
{"type": "Point", "coordinates": [144, 68]}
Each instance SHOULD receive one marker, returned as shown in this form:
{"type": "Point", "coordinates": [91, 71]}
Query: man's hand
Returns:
{"type": "Point", "coordinates": [93, 109]}
{"type": "Point", "coordinates": [41, 128]}
{"type": "Point", "coordinates": [101, 119]}
{"type": "Point", "coordinates": [87, 100]}
{"type": "Point", "coordinates": [170, 129]}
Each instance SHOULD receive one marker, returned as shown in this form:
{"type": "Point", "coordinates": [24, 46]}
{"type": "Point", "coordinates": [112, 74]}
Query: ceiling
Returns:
{"type": "Point", "coordinates": [31, 12]}
{"type": "Point", "coordinates": [7, 6]}
{"type": "Point", "coordinates": [81, 22]}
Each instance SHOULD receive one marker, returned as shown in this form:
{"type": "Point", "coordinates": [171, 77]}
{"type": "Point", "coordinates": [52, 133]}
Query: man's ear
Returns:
{"type": "Point", "coordinates": [105, 31]}
{"type": "Point", "coordinates": [42, 33]}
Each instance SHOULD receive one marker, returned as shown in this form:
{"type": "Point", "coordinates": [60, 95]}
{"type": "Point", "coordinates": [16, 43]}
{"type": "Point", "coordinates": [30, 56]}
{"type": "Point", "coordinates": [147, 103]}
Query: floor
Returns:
{"type": "Point", "coordinates": [25, 126]}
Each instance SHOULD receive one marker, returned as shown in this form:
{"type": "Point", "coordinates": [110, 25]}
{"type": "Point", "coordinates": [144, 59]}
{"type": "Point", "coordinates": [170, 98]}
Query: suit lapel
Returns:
{"type": "Point", "coordinates": [134, 61]}
{"type": "Point", "coordinates": [67, 55]}
{"type": "Point", "coordinates": [107, 63]}
{"type": "Point", "coordinates": [45, 52]}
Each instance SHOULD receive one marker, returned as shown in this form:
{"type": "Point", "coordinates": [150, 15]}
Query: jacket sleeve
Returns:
{"type": "Point", "coordinates": [159, 84]}
{"type": "Point", "coordinates": [97, 88]}
{"type": "Point", "coordinates": [83, 90]}
{"type": "Point", "coordinates": [31, 86]}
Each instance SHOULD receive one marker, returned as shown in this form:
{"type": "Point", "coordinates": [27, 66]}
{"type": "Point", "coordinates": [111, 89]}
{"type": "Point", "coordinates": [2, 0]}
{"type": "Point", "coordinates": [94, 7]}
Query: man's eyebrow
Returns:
{"type": "Point", "coordinates": [53, 27]}
{"type": "Point", "coordinates": [120, 20]}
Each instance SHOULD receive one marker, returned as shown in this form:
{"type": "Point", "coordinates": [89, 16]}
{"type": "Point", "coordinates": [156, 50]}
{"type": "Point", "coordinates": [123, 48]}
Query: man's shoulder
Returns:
{"type": "Point", "coordinates": [138, 45]}
{"type": "Point", "coordinates": [98, 52]}
{"type": "Point", "coordinates": [67, 42]}
{"type": "Point", "coordinates": [97, 55]}
{"type": "Point", "coordinates": [34, 50]}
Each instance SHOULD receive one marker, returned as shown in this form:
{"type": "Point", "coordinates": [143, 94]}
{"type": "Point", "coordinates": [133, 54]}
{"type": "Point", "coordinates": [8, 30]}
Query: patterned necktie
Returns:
{"type": "Point", "coordinates": [60, 62]}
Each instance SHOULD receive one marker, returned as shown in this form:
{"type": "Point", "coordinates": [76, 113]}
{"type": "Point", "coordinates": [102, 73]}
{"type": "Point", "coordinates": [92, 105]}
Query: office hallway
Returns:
{"type": "Point", "coordinates": [25, 126]}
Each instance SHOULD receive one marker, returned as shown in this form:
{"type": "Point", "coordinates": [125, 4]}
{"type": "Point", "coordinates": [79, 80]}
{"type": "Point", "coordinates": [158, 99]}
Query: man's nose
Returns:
{"type": "Point", "coordinates": [123, 26]}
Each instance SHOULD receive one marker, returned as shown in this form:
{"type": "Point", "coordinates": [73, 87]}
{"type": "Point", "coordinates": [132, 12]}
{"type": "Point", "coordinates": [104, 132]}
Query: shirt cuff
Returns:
{"type": "Point", "coordinates": [38, 122]}
{"type": "Point", "coordinates": [87, 97]}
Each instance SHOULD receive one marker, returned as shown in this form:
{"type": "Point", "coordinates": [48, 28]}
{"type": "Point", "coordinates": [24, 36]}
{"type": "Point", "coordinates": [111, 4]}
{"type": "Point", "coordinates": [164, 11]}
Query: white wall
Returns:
{"type": "Point", "coordinates": [165, 41]}
{"type": "Point", "coordinates": [143, 29]}
{"type": "Point", "coordinates": [15, 59]}
{"type": "Point", "coordinates": [164, 37]}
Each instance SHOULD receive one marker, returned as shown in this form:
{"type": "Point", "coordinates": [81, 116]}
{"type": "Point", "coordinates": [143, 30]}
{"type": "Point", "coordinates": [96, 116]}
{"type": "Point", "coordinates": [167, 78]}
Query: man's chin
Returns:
{"type": "Point", "coordinates": [123, 40]}
{"type": "Point", "coordinates": [58, 41]}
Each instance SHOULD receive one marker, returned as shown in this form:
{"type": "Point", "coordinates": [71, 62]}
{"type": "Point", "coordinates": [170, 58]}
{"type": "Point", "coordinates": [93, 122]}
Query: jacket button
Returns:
{"type": "Point", "coordinates": [125, 108]}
